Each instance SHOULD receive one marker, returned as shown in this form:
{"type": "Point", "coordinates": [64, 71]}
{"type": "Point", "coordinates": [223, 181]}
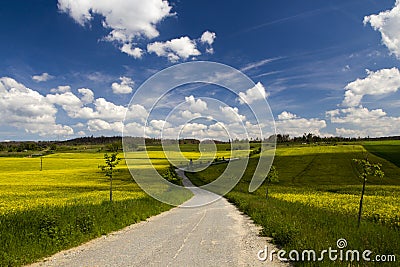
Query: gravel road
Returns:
{"type": "Point", "coordinates": [212, 235]}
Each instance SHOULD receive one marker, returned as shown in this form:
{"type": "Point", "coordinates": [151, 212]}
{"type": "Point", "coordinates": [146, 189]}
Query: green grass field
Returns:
{"type": "Point", "coordinates": [389, 150]}
{"type": "Point", "coordinates": [67, 203]}
{"type": "Point", "coordinates": [314, 204]}
{"type": "Point", "coordinates": [316, 201]}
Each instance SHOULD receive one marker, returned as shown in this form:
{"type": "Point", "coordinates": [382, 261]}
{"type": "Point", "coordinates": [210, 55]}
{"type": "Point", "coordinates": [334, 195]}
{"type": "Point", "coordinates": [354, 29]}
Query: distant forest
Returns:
{"type": "Point", "coordinates": [115, 142]}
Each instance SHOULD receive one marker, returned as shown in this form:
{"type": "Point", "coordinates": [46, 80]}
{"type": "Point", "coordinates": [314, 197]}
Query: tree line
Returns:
{"type": "Point", "coordinates": [312, 138]}
{"type": "Point", "coordinates": [114, 143]}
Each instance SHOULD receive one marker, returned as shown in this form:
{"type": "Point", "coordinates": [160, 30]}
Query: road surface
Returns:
{"type": "Point", "coordinates": [212, 235]}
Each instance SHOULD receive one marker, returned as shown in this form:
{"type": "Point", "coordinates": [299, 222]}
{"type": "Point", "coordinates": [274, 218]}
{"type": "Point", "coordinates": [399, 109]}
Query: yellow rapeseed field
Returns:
{"type": "Point", "coordinates": [66, 179]}
{"type": "Point", "coordinates": [379, 208]}
{"type": "Point", "coordinates": [71, 178]}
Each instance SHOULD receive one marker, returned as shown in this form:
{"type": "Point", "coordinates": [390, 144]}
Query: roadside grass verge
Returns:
{"type": "Point", "coordinates": [296, 226]}
{"type": "Point", "coordinates": [29, 235]}
{"type": "Point", "coordinates": [315, 203]}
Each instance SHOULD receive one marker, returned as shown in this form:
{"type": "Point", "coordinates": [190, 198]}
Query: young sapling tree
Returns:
{"type": "Point", "coordinates": [367, 169]}
{"type": "Point", "coordinates": [109, 168]}
{"type": "Point", "coordinates": [272, 177]}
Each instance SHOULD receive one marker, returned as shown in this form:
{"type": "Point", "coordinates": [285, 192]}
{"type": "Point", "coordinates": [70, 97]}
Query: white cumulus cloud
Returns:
{"type": "Point", "coordinates": [193, 129]}
{"type": "Point", "coordinates": [355, 115]}
{"type": "Point", "coordinates": [285, 115]}
{"type": "Point", "coordinates": [104, 110]}
{"type": "Point", "coordinates": [87, 95]}
{"type": "Point", "coordinates": [381, 82]}
{"type": "Point", "coordinates": [231, 114]}
{"type": "Point", "coordinates": [42, 77]}
{"type": "Point", "coordinates": [26, 109]}
{"type": "Point", "coordinates": [196, 105]}
{"type": "Point", "coordinates": [124, 87]}
{"type": "Point", "coordinates": [61, 89]}
{"type": "Point", "coordinates": [132, 22]}
{"type": "Point", "coordinates": [293, 125]}
{"type": "Point", "coordinates": [135, 52]}
{"type": "Point", "coordinates": [127, 20]}
{"type": "Point", "coordinates": [387, 23]}
{"type": "Point", "coordinates": [208, 37]}
{"type": "Point", "coordinates": [253, 94]}
{"type": "Point", "coordinates": [186, 114]}
{"type": "Point", "coordinates": [360, 121]}
{"type": "Point", "coordinates": [102, 125]}
{"type": "Point", "coordinates": [68, 101]}
{"type": "Point", "coordinates": [175, 49]}
{"type": "Point", "coordinates": [159, 124]}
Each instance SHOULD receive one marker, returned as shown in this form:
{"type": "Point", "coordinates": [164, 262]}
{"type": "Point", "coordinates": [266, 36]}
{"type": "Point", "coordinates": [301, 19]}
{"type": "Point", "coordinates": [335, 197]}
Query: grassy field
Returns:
{"type": "Point", "coordinates": [316, 201]}
{"type": "Point", "coordinates": [389, 150]}
{"type": "Point", "coordinates": [314, 204]}
{"type": "Point", "coordinates": [65, 204]}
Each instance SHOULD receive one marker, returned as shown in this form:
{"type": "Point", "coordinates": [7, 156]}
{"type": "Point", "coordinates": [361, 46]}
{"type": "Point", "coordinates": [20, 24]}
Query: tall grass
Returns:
{"type": "Point", "coordinates": [311, 207]}
{"type": "Point", "coordinates": [295, 226]}
{"type": "Point", "coordinates": [32, 234]}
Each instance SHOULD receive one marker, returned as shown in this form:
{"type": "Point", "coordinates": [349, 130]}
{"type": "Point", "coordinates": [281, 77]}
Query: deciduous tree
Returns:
{"type": "Point", "coordinates": [272, 177]}
{"type": "Point", "coordinates": [367, 169]}
{"type": "Point", "coordinates": [109, 168]}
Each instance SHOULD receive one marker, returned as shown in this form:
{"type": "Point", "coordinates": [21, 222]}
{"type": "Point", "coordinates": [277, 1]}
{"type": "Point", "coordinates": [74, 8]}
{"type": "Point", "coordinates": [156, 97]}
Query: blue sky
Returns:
{"type": "Point", "coordinates": [70, 68]}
